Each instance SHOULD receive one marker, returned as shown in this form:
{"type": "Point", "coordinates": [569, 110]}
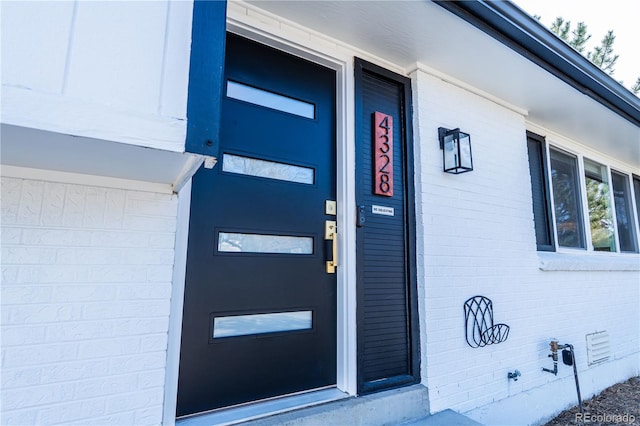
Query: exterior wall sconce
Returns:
{"type": "Point", "coordinates": [456, 150]}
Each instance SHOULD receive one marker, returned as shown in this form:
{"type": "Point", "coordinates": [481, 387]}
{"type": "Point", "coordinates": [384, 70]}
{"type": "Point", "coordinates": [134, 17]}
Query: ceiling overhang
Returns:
{"type": "Point", "coordinates": [560, 90]}
{"type": "Point", "coordinates": [512, 26]}
{"type": "Point", "coordinates": [45, 150]}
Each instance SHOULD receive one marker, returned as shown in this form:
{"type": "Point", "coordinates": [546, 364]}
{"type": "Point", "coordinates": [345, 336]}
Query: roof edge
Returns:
{"type": "Point", "coordinates": [513, 27]}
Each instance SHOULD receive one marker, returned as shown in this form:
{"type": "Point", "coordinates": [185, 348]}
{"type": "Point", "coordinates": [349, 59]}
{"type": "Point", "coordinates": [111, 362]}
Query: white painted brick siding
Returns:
{"type": "Point", "coordinates": [476, 237]}
{"type": "Point", "coordinates": [86, 285]}
{"type": "Point", "coordinates": [85, 317]}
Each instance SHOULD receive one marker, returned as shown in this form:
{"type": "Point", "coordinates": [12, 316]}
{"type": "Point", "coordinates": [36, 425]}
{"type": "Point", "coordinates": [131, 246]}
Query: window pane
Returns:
{"type": "Point", "coordinates": [450, 145]}
{"type": "Point", "coordinates": [636, 190]}
{"type": "Point", "coordinates": [539, 192]}
{"type": "Point", "coordinates": [243, 325]}
{"type": "Point", "coordinates": [267, 169]}
{"type": "Point", "coordinates": [566, 199]}
{"type": "Point", "coordinates": [258, 243]}
{"type": "Point", "coordinates": [599, 203]}
{"type": "Point", "coordinates": [270, 100]}
{"type": "Point", "coordinates": [624, 212]}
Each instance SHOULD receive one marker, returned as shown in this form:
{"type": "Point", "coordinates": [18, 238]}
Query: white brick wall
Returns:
{"type": "Point", "coordinates": [86, 284]}
{"type": "Point", "coordinates": [476, 237]}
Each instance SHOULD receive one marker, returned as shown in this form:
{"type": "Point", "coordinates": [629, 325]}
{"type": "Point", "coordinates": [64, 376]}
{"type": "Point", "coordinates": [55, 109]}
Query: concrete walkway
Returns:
{"type": "Point", "coordinates": [443, 418]}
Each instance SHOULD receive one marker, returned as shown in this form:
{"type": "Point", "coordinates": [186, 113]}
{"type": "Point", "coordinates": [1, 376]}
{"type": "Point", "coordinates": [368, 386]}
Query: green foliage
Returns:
{"type": "Point", "coordinates": [601, 55]}
{"type": "Point", "coordinates": [636, 87]}
{"type": "Point", "coordinates": [580, 37]}
{"type": "Point", "coordinates": [561, 28]}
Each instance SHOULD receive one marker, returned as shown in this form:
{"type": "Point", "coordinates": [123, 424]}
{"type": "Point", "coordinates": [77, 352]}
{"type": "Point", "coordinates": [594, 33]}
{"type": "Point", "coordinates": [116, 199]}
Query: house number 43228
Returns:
{"type": "Point", "coordinates": [383, 154]}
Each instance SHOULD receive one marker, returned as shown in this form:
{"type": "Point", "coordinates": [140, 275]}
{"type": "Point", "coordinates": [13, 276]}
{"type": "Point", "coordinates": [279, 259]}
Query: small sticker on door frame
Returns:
{"type": "Point", "coordinates": [383, 210]}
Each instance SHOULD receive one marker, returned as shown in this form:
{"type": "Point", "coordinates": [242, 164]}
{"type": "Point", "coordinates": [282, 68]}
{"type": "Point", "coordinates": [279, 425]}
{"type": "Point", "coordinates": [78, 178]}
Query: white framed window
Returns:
{"type": "Point", "coordinates": [623, 205]}
{"type": "Point", "coordinates": [567, 199]}
{"type": "Point", "coordinates": [580, 202]}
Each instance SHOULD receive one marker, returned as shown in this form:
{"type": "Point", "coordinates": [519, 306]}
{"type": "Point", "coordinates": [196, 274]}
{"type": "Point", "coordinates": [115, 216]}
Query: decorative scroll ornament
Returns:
{"type": "Point", "coordinates": [479, 328]}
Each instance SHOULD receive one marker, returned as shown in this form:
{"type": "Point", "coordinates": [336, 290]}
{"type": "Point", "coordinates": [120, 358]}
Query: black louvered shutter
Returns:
{"type": "Point", "coordinates": [387, 307]}
{"type": "Point", "coordinates": [540, 192]}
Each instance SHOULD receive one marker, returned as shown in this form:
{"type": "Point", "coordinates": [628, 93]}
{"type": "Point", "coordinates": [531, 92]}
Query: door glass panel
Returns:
{"type": "Point", "coordinates": [271, 100]}
{"type": "Point", "coordinates": [267, 169]}
{"type": "Point", "coordinates": [599, 202]}
{"type": "Point", "coordinates": [242, 325]}
{"type": "Point", "coordinates": [258, 243]}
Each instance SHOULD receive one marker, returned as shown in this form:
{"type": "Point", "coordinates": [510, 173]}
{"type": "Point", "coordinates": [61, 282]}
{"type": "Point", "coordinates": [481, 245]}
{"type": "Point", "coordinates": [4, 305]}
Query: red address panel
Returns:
{"type": "Point", "coordinates": [383, 154]}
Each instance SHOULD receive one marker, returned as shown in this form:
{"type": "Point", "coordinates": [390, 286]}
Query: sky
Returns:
{"type": "Point", "coordinates": [600, 16]}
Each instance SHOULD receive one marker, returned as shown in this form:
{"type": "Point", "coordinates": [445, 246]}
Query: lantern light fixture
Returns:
{"type": "Point", "coordinates": [456, 150]}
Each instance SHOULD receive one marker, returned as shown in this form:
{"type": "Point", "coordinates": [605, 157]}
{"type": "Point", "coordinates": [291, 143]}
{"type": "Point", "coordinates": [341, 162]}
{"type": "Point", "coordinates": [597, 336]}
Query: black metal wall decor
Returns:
{"type": "Point", "coordinates": [479, 329]}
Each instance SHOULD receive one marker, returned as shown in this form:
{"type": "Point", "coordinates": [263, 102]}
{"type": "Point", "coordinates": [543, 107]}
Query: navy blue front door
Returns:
{"type": "Point", "coordinates": [259, 314]}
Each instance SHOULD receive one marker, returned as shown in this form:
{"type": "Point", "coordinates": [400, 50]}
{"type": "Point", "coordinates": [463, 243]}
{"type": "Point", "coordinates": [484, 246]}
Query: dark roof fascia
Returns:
{"type": "Point", "coordinates": [510, 25]}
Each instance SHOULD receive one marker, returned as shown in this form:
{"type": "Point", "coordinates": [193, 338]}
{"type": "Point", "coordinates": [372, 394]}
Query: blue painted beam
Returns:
{"type": "Point", "coordinates": [206, 75]}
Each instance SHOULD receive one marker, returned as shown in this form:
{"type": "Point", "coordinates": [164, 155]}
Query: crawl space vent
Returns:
{"type": "Point", "coordinates": [598, 347]}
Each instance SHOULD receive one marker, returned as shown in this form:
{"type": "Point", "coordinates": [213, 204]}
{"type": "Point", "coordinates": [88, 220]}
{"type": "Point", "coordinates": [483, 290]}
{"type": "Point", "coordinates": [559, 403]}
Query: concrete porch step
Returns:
{"type": "Point", "coordinates": [443, 418]}
{"type": "Point", "coordinates": [393, 407]}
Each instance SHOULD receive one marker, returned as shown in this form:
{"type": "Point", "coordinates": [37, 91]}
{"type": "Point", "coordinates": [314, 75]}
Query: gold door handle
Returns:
{"type": "Point", "coordinates": [331, 233]}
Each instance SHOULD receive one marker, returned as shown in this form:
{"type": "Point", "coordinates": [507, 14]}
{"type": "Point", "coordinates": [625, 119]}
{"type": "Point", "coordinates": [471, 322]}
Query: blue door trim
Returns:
{"type": "Point", "coordinates": [206, 74]}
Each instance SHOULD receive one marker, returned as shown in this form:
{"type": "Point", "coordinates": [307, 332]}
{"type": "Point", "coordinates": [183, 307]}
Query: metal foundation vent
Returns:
{"type": "Point", "coordinates": [598, 347]}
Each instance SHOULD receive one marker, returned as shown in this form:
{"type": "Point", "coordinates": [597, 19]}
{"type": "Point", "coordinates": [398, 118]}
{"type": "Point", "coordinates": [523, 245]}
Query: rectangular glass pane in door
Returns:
{"type": "Point", "coordinates": [244, 325]}
{"type": "Point", "coordinates": [234, 242]}
{"type": "Point", "coordinates": [267, 169]}
{"type": "Point", "coordinates": [268, 99]}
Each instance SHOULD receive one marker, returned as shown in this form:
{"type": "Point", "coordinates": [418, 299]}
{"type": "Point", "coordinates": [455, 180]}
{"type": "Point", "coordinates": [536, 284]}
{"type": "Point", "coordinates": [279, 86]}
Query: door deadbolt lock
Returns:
{"type": "Point", "coordinates": [331, 235]}
{"type": "Point", "coordinates": [330, 208]}
{"type": "Point", "coordinates": [361, 218]}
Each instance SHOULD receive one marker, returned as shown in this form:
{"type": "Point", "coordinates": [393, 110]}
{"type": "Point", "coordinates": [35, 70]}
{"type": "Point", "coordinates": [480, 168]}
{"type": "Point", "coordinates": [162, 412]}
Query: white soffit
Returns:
{"type": "Point", "coordinates": [39, 149]}
{"type": "Point", "coordinates": [406, 32]}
